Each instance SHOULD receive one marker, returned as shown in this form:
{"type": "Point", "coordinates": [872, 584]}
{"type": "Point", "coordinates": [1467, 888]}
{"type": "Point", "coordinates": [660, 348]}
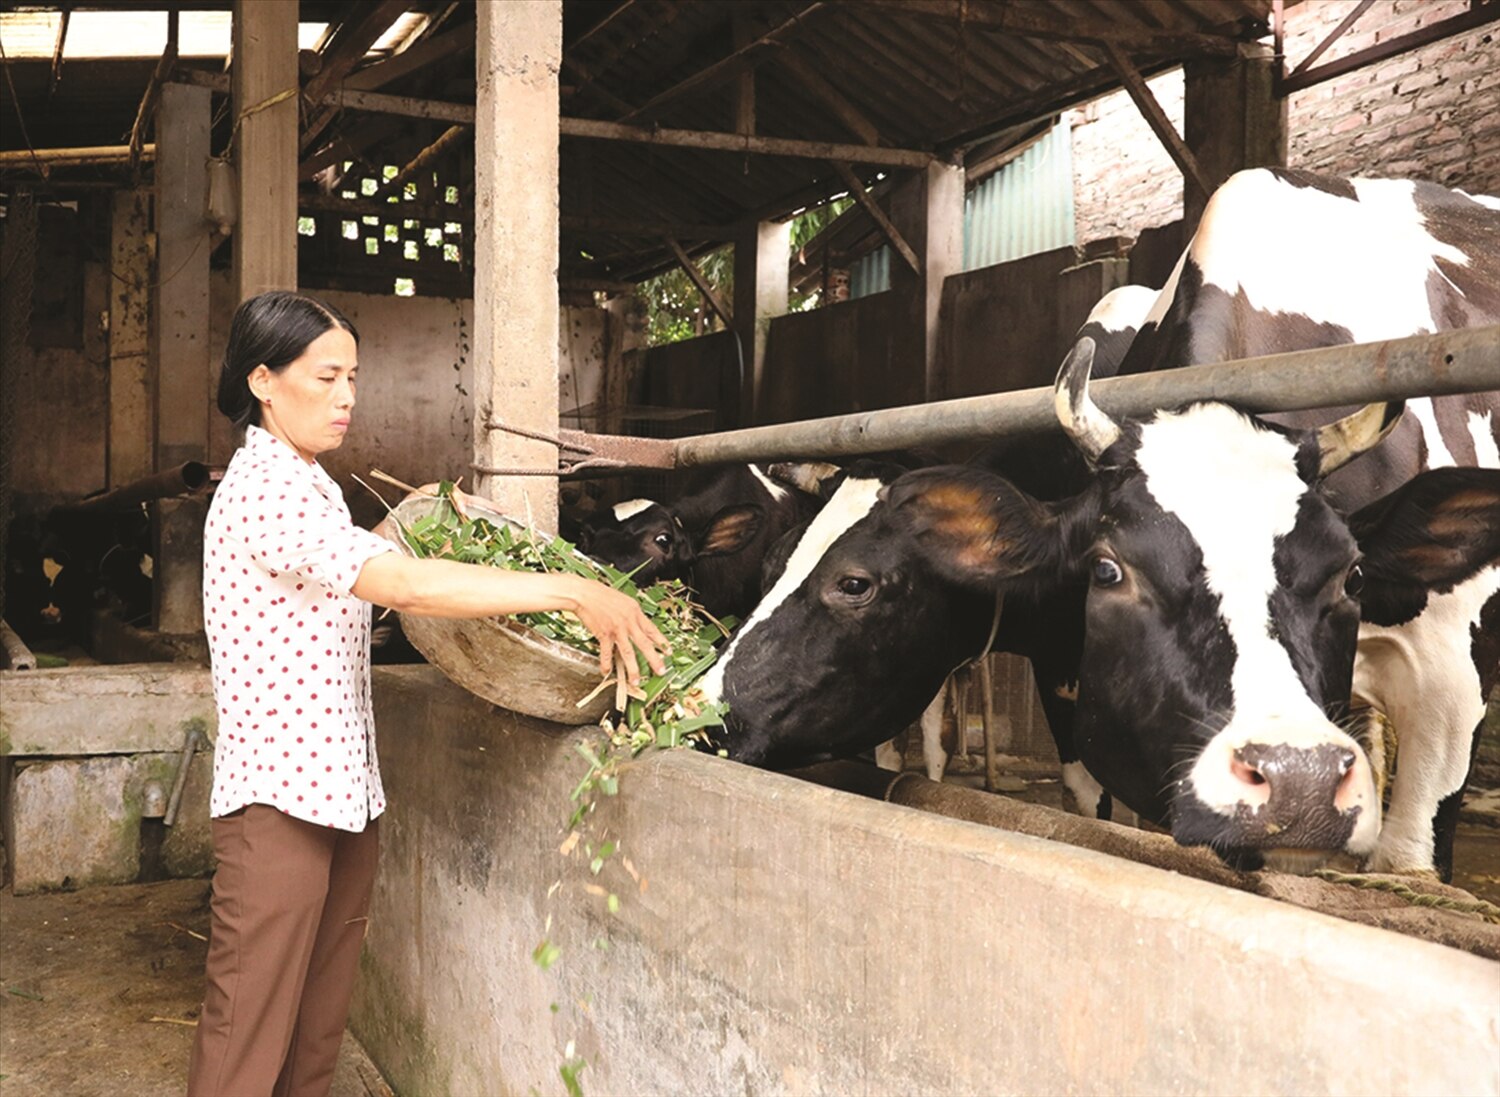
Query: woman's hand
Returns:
{"type": "Point", "coordinates": [618, 624]}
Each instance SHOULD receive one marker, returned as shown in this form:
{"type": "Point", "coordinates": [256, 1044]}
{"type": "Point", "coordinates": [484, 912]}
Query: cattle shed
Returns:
{"type": "Point", "coordinates": [592, 246]}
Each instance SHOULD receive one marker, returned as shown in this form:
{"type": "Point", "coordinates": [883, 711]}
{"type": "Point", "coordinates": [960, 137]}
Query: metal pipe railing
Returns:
{"type": "Point", "coordinates": [1419, 365]}
{"type": "Point", "coordinates": [187, 477]}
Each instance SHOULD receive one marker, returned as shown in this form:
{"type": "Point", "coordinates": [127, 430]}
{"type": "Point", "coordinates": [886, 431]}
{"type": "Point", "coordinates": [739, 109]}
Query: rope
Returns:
{"type": "Point", "coordinates": [1487, 911]}
{"type": "Point", "coordinates": [254, 108]}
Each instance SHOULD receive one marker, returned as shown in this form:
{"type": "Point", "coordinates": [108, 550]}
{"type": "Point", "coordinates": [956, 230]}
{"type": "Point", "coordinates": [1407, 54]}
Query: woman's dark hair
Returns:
{"type": "Point", "coordinates": [271, 329]}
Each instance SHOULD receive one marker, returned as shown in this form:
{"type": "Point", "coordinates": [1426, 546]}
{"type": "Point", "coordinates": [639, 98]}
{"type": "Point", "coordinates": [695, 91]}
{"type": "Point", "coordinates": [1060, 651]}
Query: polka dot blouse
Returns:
{"type": "Point", "coordinates": [290, 645]}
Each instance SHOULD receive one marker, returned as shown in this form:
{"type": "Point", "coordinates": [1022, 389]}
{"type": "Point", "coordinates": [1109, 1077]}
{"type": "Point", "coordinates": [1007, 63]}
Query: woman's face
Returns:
{"type": "Point", "coordinates": [308, 404]}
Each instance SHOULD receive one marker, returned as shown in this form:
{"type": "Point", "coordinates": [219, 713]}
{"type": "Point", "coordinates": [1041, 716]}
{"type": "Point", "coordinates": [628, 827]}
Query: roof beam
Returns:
{"type": "Point", "coordinates": [696, 275]}
{"type": "Point", "coordinates": [818, 86]}
{"type": "Point", "coordinates": [412, 59]}
{"type": "Point", "coordinates": [615, 226]}
{"type": "Point", "coordinates": [733, 142]}
{"type": "Point", "coordinates": [57, 50]}
{"type": "Point", "coordinates": [1157, 119]}
{"type": "Point", "coordinates": [729, 66]}
{"type": "Point", "coordinates": [153, 90]}
{"type": "Point", "coordinates": [859, 194]}
{"type": "Point", "coordinates": [1028, 22]}
{"type": "Point", "coordinates": [344, 49]}
{"type": "Point", "coordinates": [610, 16]}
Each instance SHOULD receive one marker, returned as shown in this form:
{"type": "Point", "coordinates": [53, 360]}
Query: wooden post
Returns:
{"type": "Point", "coordinates": [131, 445]}
{"type": "Point", "coordinates": [180, 345]}
{"type": "Point", "coordinates": [762, 261]}
{"type": "Point", "coordinates": [1232, 119]}
{"type": "Point", "coordinates": [265, 146]}
{"type": "Point", "coordinates": [928, 211]}
{"type": "Point", "coordinates": [182, 250]}
{"type": "Point", "coordinates": [518, 52]}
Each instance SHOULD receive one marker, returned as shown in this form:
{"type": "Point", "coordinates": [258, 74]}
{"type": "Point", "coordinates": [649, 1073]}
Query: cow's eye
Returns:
{"type": "Point", "coordinates": [663, 540]}
{"type": "Point", "coordinates": [1354, 582]}
{"type": "Point", "coordinates": [854, 586]}
{"type": "Point", "coordinates": [1106, 572]}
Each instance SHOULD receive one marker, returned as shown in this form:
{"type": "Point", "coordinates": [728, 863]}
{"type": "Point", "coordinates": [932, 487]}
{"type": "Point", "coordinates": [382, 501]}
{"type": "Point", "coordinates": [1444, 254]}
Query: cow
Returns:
{"type": "Point", "coordinates": [715, 538]}
{"type": "Point", "coordinates": [873, 608]}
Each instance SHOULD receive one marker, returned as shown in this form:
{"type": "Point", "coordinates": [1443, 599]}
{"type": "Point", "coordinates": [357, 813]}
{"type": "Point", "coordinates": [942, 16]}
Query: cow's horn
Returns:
{"type": "Point", "coordinates": [1342, 441]}
{"type": "Point", "coordinates": [803, 475]}
{"type": "Point", "coordinates": [1091, 430]}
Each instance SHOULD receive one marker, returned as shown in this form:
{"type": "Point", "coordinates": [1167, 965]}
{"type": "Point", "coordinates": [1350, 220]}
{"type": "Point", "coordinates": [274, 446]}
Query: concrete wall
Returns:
{"type": "Point", "coordinates": [786, 938]}
{"type": "Point", "coordinates": [1432, 113]}
{"type": "Point", "coordinates": [841, 358]}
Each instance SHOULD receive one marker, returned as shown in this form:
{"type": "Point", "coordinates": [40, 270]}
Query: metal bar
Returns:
{"type": "Point", "coordinates": [736, 142]}
{"type": "Point", "coordinates": [187, 477]}
{"type": "Point", "coordinates": [1419, 365]}
{"type": "Point", "coordinates": [1477, 15]}
{"type": "Point", "coordinates": [1338, 32]}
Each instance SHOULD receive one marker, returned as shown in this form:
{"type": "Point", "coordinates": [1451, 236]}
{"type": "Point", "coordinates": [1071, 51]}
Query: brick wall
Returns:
{"type": "Point", "coordinates": [1432, 113]}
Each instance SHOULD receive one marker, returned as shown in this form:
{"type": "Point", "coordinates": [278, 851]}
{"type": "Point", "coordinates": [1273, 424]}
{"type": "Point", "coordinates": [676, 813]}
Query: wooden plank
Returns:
{"type": "Point", "coordinates": [1333, 36]}
{"type": "Point", "coordinates": [696, 275]}
{"type": "Point", "coordinates": [129, 337]}
{"type": "Point", "coordinates": [75, 157]}
{"type": "Point", "coordinates": [414, 58]}
{"type": "Point", "coordinates": [265, 147]}
{"type": "Point", "coordinates": [859, 194]}
{"type": "Point", "coordinates": [1157, 119]}
{"type": "Point", "coordinates": [1030, 22]}
{"type": "Point", "coordinates": [730, 142]}
{"type": "Point", "coordinates": [729, 66]}
{"type": "Point", "coordinates": [617, 226]}
{"type": "Point", "coordinates": [852, 118]}
{"type": "Point", "coordinates": [349, 44]}
{"type": "Point", "coordinates": [148, 100]}
{"type": "Point", "coordinates": [404, 105]}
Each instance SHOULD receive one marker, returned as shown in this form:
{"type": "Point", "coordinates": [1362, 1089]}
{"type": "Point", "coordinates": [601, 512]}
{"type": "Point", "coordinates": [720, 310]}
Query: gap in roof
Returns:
{"type": "Point", "coordinates": [96, 35]}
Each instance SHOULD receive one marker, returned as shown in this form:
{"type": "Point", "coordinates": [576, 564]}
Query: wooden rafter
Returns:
{"type": "Point", "coordinates": [727, 67]}
{"type": "Point", "coordinates": [153, 92]}
{"type": "Point", "coordinates": [820, 88]}
{"type": "Point", "coordinates": [701, 282]}
{"type": "Point", "coordinates": [375, 207]}
{"type": "Point", "coordinates": [859, 194]}
{"type": "Point", "coordinates": [1480, 12]}
{"type": "Point", "coordinates": [1333, 36]}
{"type": "Point", "coordinates": [731, 142]}
{"type": "Point", "coordinates": [345, 48]}
{"type": "Point", "coordinates": [1157, 119]}
{"type": "Point", "coordinates": [624, 44]}
{"type": "Point", "coordinates": [617, 226]}
{"type": "Point", "coordinates": [609, 18]}
{"type": "Point", "coordinates": [1029, 22]}
{"type": "Point", "coordinates": [410, 60]}
{"type": "Point", "coordinates": [57, 50]}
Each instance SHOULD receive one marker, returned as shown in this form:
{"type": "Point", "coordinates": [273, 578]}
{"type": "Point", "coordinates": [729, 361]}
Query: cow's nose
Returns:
{"type": "Point", "coordinates": [1304, 780]}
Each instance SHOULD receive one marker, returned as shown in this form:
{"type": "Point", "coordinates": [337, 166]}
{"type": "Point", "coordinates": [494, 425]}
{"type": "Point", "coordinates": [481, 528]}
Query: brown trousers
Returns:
{"type": "Point", "coordinates": [290, 904]}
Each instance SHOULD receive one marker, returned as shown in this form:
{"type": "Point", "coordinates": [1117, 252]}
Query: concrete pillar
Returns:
{"type": "Point", "coordinates": [762, 261]}
{"type": "Point", "coordinates": [518, 52]}
{"type": "Point", "coordinates": [1232, 120]}
{"type": "Point", "coordinates": [131, 444]}
{"type": "Point", "coordinates": [928, 211]}
{"type": "Point", "coordinates": [265, 150]}
{"type": "Point", "coordinates": [183, 378]}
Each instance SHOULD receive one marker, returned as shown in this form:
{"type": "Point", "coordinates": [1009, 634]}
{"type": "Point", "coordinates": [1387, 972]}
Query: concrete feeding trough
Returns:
{"type": "Point", "coordinates": [498, 658]}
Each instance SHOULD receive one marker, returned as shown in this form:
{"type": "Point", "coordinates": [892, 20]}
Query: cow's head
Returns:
{"type": "Point", "coordinates": [859, 626]}
{"type": "Point", "coordinates": [1221, 625]}
{"type": "Point", "coordinates": [648, 540]}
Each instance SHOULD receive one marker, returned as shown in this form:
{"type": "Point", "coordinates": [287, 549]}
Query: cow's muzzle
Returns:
{"type": "Point", "coordinates": [1263, 796]}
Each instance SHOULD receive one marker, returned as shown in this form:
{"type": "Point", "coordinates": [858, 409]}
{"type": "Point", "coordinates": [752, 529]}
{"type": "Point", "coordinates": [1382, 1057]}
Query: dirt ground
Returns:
{"type": "Point", "coordinates": [100, 988]}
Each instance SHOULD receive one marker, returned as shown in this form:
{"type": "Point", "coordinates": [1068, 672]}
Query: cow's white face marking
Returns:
{"type": "Point", "coordinates": [1123, 307]}
{"type": "Point", "coordinates": [1482, 430]}
{"type": "Point", "coordinates": [778, 491]}
{"type": "Point", "coordinates": [630, 508]}
{"type": "Point", "coordinates": [1235, 487]}
{"type": "Point", "coordinates": [1372, 283]}
{"type": "Point", "coordinates": [853, 501]}
{"type": "Point", "coordinates": [1438, 455]}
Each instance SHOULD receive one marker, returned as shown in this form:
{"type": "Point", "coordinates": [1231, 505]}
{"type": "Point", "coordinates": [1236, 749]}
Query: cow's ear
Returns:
{"type": "Point", "coordinates": [974, 527]}
{"type": "Point", "coordinates": [1436, 530]}
{"type": "Point", "coordinates": [730, 530]}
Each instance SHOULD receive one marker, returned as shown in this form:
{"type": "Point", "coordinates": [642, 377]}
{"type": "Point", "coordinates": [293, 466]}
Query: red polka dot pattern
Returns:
{"type": "Point", "coordinates": [289, 641]}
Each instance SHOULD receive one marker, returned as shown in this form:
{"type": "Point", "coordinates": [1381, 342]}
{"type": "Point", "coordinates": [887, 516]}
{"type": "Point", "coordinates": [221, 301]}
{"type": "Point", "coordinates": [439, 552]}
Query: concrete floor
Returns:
{"type": "Point", "coordinates": [100, 988]}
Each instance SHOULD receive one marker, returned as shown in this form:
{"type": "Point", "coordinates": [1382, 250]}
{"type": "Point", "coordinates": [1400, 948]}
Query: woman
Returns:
{"type": "Point", "coordinates": [288, 583]}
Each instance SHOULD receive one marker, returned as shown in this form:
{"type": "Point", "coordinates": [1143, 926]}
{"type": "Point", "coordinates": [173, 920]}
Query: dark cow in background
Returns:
{"type": "Point", "coordinates": [715, 538]}
{"type": "Point", "coordinates": [1222, 611]}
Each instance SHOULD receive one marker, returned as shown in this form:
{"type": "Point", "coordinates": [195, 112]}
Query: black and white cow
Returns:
{"type": "Point", "coordinates": [715, 538]}
{"type": "Point", "coordinates": [1235, 631]}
